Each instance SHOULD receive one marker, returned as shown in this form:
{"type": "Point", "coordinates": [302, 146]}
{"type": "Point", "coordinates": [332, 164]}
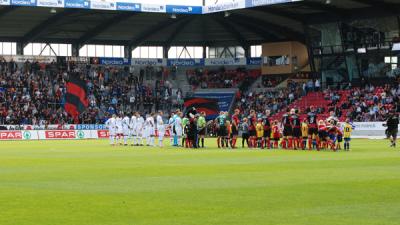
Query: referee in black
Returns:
{"type": "Point", "coordinates": [392, 124]}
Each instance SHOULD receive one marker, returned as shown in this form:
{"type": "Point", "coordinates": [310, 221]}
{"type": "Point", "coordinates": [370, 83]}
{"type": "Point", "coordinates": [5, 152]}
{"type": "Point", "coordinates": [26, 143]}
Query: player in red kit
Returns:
{"type": "Point", "coordinates": [275, 133]}
{"type": "Point", "coordinates": [322, 134]}
{"type": "Point", "coordinates": [252, 128]}
{"type": "Point", "coordinates": [235, 127]}
{"type": "Point", "coordinates": [312, 128]}
{"type": "Point", "coordinates": [267, 129]}
{"type": "Point", "coordinates": [332, 135]}
{"type": "Point", "coordinates": [287, 131]}
{"type": "Point", "coordinates": [296, 127]}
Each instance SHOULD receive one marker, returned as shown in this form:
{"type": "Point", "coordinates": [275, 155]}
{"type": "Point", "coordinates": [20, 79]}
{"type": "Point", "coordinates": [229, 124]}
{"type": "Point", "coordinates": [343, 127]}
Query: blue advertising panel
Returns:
{"type": "Point", "coordinates": [127, 6]}
{"type": "Point", "coordinates": [184, 9]}
{"type": "Point", "coordinates": [91, 127]}
{"type": "Point", "coordinates": [23, 2]}
{"type": "Point", "coordinates": [114, 61]}
{"type": "Point", "coordinates": [79, 4]}
{"type": "Point", "coordinates": [254, 61]}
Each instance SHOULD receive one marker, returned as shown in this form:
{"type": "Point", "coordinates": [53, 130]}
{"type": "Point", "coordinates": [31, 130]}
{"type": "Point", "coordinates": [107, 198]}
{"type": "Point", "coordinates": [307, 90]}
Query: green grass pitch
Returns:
{"type": "Point", "coordinates": [91, 183]}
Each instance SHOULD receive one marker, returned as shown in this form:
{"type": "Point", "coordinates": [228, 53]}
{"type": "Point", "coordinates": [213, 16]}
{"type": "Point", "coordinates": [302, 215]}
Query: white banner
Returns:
{"type": "Point", "coordinates": [373, 130]}
{"type": "Point", "coordinates": [225, 61]}
{"type": "Point", "coordinates": [149, 62]}
{"type": "Point", "coordinates": [223, 5]}
{"type": "Point", "coordinates": [51, 3]}
{"type": "Point", "coordinates": [366, 126]}
{"type": "Point", "coordinates": [4, 2]}
{"type": "Point", "coordinates": [153, 8]}
{"type": "Point", "coordinates": [24, 58]}
{"type": "Point", "coordinates": [103, 4]}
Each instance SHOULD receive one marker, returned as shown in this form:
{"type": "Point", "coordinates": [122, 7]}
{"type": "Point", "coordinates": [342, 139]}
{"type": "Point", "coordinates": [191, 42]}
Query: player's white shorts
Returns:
{"type": "Point", "coordinates": [139, 132]}
{"type": "Point", "coordinates": [112, 131]}
{"type": "Point", "coordinates": [161, 133]}
{"type": "Point", "coordinates": [119, 130]}
{"type": "Point", "coordinates": [126, 131]}
{"type": "Point", "coordinates": [178, 131]}
{"type": "Point", "coordinates": [148, 131]}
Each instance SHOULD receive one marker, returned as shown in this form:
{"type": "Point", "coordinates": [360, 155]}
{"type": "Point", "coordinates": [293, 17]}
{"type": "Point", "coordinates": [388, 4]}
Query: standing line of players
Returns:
{"type": "Point", "coordinates": [260, 131]}
{"type": "Point", "coordinates": [134, 129]}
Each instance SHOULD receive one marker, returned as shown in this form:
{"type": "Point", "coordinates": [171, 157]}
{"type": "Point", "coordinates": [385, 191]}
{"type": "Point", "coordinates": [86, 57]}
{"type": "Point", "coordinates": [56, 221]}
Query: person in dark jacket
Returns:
{"type": "Point", "coordinates": [392, 124]}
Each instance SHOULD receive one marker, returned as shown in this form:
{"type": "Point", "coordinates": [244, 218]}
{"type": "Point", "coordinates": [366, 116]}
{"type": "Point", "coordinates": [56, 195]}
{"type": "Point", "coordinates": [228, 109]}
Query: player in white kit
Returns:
{"type": "Point", "coordinates": [111, 124]}
{"type": "Point", "coordinates": [149, 127]}
{"type": "Point", "coordinates": [132, 127]}
{"type": "Point", "coordinates": [170, 128]}
{"type": "Point", "coordinates": [178, 128]}
{"type": "Point", "coordinates": [119, 130]}
{"type": "Point", "coordinates": [139, 129]}
{"type": "Point", "coordinates": [160, 128]}
{"type": "Point", "coordinates": [125, 129]}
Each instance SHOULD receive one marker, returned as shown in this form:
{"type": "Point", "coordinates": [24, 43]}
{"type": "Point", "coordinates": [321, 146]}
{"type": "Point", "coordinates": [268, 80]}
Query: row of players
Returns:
{"type": "Point", "coordinates": [259, 131]}
{"type": "Point", "coordinates": [135, 127]}
{"type": "Point", "coordinates": [138, 129]}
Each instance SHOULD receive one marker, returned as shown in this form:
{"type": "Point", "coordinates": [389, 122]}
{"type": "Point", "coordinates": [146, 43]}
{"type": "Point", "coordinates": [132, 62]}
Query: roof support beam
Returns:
{"type": "Point", "coordinates": [39, 29]}
{"type": "Point", "coordinates": [264, 34]}
{"type": "Point", "coordinates": [284, 31]}
{"type": "Point", "coordinates": [177, 31]}
{"type": "Point", "coordinates": [103, 25]}
{"type": "Point", "coordinates": [280, 13]}
{"type": "Point", "coordinates": [137, 40]}
{"type": "Point", "coordinates": [392, 8]}
{"type": "Point", "coordinates": [7, 9]}
{"type": "Point", "coordinates": [327, 8]}
{"type": "Point", "coordinates": [232, 30]}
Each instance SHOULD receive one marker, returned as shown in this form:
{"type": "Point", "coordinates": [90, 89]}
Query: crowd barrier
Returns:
{"type": "Point", "coordinates": [26, 135]}
{"type": "Point", "coordinates": [372, 130]}
{"type": "Point", "coordinates": [52, 134]}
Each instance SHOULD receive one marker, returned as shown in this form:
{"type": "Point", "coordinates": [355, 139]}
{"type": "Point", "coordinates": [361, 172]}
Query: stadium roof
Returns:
{"type": "Point", "coordinates": [241, 27]}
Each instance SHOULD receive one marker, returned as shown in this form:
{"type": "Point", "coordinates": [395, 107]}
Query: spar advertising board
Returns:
{"type": "Point", "coordinates": [373, 130]}
{"type": "Point", "coordinates": [65, 134]}
{"type": "Point", "coordinates": [18, 135]}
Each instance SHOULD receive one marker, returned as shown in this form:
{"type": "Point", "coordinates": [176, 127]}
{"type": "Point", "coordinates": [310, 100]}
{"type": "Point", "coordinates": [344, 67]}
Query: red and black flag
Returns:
{"type": "Point", "coordinates": [76, 98]}
{"type": "Point", "coordinates": [209, 106]}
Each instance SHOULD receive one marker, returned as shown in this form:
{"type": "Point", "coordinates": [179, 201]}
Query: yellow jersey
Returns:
{"type": "Point", "coordinates": [260, 130]}
{"type": "Point", "coordinates": [347, 129]}
{"type": "Point", "coordinates": [304, 129]}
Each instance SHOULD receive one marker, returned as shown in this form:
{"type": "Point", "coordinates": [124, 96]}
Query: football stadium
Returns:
{"type": "Point", "coordinates": [169, 112]}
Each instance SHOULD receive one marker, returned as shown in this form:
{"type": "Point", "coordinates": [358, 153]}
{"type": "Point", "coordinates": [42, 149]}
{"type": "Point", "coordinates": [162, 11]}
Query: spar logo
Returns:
{"type": "Point", "coordinates": [60, 134]}
{"type": "Point", "coordinates": [27, 135]}
{"type": "Point", "coordinates": [103, 134]}
{"type": "Point", "coordinates": [80, 134]}
{"type": "Point", "coordinates": [11, 135]}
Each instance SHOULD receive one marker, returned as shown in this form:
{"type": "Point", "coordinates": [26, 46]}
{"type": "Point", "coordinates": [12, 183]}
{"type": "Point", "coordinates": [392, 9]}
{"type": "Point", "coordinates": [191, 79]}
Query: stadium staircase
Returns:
{"type": "Point", "coordinates": [316, 99]}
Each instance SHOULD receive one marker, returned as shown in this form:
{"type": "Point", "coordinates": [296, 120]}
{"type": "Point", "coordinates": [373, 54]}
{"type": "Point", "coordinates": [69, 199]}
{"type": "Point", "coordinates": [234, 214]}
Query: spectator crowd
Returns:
{"type": "Point", "coordinates": [34, 93]}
